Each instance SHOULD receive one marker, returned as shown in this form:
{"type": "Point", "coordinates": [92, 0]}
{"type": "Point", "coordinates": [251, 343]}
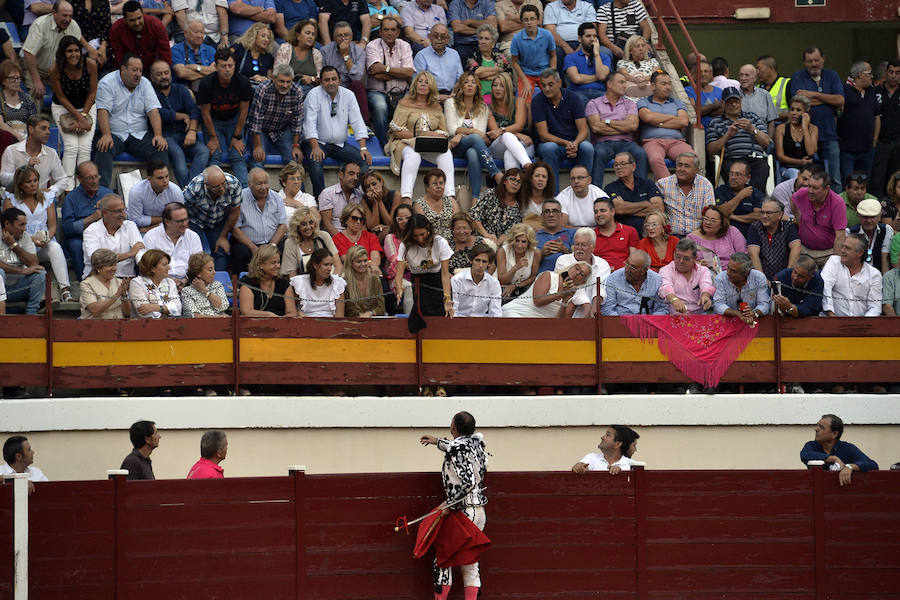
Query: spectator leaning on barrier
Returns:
{"type": "Point", "coordinates": [837, 454]}
{"type": "Point", "coordinates": [587, 299]}
{"type": "Point", "coordinates": [852, 286]}
{"type": "Point", "coordinates": [614, 443]}
{"type": "Point", "coordinates": [18, 457]}
{"type": "Point", "coordinates": [773, 244]}
{"type": "Point", "coordinates": [144, 440]}
{"type": "Point", "coordinates": [741, 291]}
{"type": "Point", "coordinates": [213, 449]}
{"type": "Point", "coordinates": [634, 289]}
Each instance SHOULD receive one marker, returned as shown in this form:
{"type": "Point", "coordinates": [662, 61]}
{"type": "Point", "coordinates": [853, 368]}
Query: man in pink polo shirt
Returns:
{"type": "Point", "coordinates": [821, 218]}
{"type": "Point", "coordinates": [613, 120]}
{"type": "Point", "coordinates": [213, 448]}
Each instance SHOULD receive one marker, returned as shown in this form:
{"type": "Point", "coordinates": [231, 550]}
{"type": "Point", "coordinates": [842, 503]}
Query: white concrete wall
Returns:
{"type": "Point", "coordinates": [81, 438]}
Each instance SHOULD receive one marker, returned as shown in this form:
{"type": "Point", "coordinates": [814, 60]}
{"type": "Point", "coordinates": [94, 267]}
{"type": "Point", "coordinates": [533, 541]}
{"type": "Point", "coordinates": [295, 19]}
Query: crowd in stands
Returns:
{"type": "Point", "coordinates": [207, 96]}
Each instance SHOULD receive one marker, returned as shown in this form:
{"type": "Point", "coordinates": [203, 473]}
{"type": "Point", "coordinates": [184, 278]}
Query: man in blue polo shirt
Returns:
{"type": "Point", "coordinates": [439, 60]}
{"type": "Point", "coordinates": [465, 17]}
{"type": "Point", "coordinates": [560, 125]}
{"type": "Point", "coordinates": [532, 50]}
{"type": "Point", "coordinates": [587, 68]}
{"type": "Point", "coordinates": [826, 94]}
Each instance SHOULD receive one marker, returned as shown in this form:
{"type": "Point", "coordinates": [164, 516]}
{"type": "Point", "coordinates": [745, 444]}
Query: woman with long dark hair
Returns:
{"type": "Point", "coordinates": [427, 256]}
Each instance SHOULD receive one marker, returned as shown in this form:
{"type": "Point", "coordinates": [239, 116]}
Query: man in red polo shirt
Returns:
{"type": "Point", "coordinates": [213, 448]}
{"type": "Point", "coordinates": [613, 239]}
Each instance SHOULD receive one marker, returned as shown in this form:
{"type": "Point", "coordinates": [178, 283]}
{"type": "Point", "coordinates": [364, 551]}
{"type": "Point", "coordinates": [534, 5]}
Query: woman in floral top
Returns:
{"type": "Point", "coordinates": [203, 296]}
{"type": "Point", "coordinates": [154, 294]}
{"type": "Point", "coordinates": [498, 210]}
{"type": "Point", "coordinates": [488, 61]}
{"type": "Point", "coordinates": [637, 67]}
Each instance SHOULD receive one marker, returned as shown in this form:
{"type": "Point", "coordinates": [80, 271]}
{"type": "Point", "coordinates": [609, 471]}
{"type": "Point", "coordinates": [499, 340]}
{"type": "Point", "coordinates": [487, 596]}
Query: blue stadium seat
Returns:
{"type": "Point", "coordinates": [55, 140]}
{"type": "Point", "coordinates": [224, 277]}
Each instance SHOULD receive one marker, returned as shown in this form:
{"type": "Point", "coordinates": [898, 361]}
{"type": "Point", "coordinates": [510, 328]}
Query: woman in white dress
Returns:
{"type": "Point", "coordinates": [319, 293]}
{"type": "Point", "coordinates": [549, 296]}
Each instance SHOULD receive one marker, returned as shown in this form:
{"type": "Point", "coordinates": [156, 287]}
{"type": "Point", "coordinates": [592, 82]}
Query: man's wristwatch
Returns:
{"type": "Point", "coordinates": [847, 466]}
{"type": "Point", "coordinates": [387, 69]}
{"type": "Point", "coordinates": [14, 246]}
{"type": "Point", "coordinates": [198, 67]}
{"type": "Point", "coordinates": [346, 57]}
{"type": "Point", "coordinates": [607, 121]}
{"type": "Point", "coordinates": [755, 131]}
{"type": "Point", "coordinates": [236, 136]}
{"type": "Point", "coordinates": [364, 39]}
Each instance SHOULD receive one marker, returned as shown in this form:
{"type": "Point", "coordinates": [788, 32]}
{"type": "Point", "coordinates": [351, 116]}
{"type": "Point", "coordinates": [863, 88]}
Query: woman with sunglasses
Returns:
{"type": "Point", "coordinates": [499, 208]}
{"type": "Point", "coordinates": [400, 218]}
{"type": "Point", "coordinates": [353, 218]}
{"type": "Point", "coordinates": [303, 237]}
{"type": "Point", "coordinates": [301, 53]}
{"type": "Point", "coordinates": [15, 105]}
{"type": "Point", "coordinates": [254, 53]}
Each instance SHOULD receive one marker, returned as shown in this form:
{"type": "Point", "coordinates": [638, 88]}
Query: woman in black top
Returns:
{"type": "Point", "coordinates": [93, 18]}
{"type": "Point", "coordinates": [254, 53]}
{"type": "Point", "coordinates": [74, 82]}
{"type": "Point", "coordinates": [264, 292]}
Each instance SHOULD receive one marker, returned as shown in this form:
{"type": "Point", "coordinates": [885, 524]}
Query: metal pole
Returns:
{"type": "Point", "coordinates": [20, 535]}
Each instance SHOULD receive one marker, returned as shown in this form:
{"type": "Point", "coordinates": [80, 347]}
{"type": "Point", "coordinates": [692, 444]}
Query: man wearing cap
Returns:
{"type": "Point", "coordinates": [877, 234]}
{"type": "Point", "coordinates": [739, 135]}
{"type": "Point", "coordinates": [855, 191]}
{"type": "Point", "coordinates": [465, 465]}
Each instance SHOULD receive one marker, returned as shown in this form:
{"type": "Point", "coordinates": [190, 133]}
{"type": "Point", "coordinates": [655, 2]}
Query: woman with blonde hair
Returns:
{"type": "Point", "coordinates": [102, 294]}
{"type": "Point", "coordinates": [419, 130]}
{"type": "Point", "coordinates": [153, 293]}
{"type": "Point", "coordinates": [657, 241]}
{"type": "Point", "coordinates": [518, 261]}
{"type": "Point", "coordinates": [468, 120]}
{"type": "Point", "coordinates": [509, 140]}
{"type": "Point", "coordinates": [300, 52]}
{"type": "Point", "coordinates": [303, 237]}
{"type": "Point", "coordinates": [637, 66]}
{"type": "Point", "coordinates": [353, 218]}
{"type": "Point", "coordinates": [291, 178]}
{"type": "Point", "coordinates": [254, 53]}
{"type": "Point", "coordinates": [264, 292]}
{"type": "Point", "coordinates": [203, 296]}
{"type": "Point", "coordinates": [361, 283]}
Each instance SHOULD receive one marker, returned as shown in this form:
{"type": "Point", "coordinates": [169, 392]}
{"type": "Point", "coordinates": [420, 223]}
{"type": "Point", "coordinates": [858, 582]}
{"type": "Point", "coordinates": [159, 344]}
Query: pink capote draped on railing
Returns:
{"type": "Point", "coordinates": [700, 346]}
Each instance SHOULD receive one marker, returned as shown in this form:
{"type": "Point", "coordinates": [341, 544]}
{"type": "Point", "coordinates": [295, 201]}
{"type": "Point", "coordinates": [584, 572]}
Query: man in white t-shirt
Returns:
{"type": "Point", "coordinates": [17, 458]}
{"type": "Point", "coordinates": [585, 300]}
{"type": "Point", "coordinates": [577, 200]}
{"type": "Point", "coordinates": [476, 293]}
{"type": "Point", "coordinates": [616, 446]}
{"type": "Point", "coordinates": [114, 233]}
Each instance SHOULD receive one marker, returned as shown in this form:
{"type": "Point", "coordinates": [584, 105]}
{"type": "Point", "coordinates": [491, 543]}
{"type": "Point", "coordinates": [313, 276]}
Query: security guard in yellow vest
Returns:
{"type": "Point", "coordinates": [776, 85]}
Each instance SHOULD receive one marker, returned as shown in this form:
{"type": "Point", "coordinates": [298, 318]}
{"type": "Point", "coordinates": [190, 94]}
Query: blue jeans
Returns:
{"type": "Point", "coordinates": [553, 154]}
{"type": "Point", "coordinates": [142, 149]}
{"type": "Point", "coordinates": [224, 131]}
{"type": "Point", "coordinates": [830, 152]}
{"type": "Point", "coordinates": [73, 249]}
{"type": "Point", "coordinates": [208, 239]}
{"type": "Point", "coordinates": [606, 151]}
{"type": "Point", "coordinates": [856, 161]}
{"type": "Point", "coordinates": [283, 145]}
{"type": "Point", "coordinates": [179, 154]}
{"type": "Point", "coordinates": [476, 153]}
{"type": "Point", "coordinates": [378, 109]}
{"type": "Point", "coordinates": [26, 287]}
{"type": "Point", "coordinates": [588, 94]}
{"type": "Point", "coordinates": [347, 153]}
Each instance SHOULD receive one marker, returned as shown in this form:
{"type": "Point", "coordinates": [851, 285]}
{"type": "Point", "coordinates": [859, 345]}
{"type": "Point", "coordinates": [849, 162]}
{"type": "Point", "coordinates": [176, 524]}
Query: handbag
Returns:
{"type": "Point", "coordinates": [68, 123]}
{"type": "Point", "coordinates": [618, 38]}
{"type": "Point", "coordinates": [437, 145]}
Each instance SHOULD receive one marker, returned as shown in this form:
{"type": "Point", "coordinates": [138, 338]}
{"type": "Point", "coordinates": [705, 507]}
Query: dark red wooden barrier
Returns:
{"type": "Point", "coordinates": [647, 535]}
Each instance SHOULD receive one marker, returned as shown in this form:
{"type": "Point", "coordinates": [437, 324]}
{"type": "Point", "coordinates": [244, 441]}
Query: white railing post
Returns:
{"type": "Point", "coordinates": [20, 535]}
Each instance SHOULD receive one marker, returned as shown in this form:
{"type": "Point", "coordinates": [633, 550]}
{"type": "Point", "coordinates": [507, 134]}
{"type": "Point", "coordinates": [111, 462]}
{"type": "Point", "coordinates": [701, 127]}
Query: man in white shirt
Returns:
{"type": "Point", "coordinates": [34, 152]}
{"type": "Point", "coordinates": [18, 457]}
{"type": "Point", "coordinates": [173, 237]}
{"type": "Point", "coordinates": [852, 286]}
{"type": "Point", "coordinates": [114, 233]}
{"type": "Point", "coordinates": [148, 198]}
{"type": "Point", "coordinates": [585, 301]}
{"type": "Point", "coordinates": [616, 446]}
{"type": "Point", "coordinates": [476, 293]}
{"type": "Point", "coordinates": [577, 200]}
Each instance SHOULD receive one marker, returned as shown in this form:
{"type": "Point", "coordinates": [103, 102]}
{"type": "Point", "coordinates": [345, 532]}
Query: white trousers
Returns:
{"type": "Point", "coordinates": [409, 170]}
{"type": "Point", "coordinates": [514, 153]}
{"type": "Point", "coordinates": [76, 146]}
{"type": "Point", "coordinates": [470, 574]}
{"type": "Point", "coordinates": [53, 252]}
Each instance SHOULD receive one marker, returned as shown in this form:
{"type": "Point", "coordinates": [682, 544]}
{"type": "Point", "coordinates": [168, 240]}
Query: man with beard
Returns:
{"type": "Point", "coordinates": [275, 118]}
{"type": "Point", "coordinates": [587, 68]}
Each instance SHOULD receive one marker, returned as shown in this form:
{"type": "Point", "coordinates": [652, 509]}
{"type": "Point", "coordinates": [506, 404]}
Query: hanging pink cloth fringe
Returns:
{"type": "Point", "coordinates": [700, 346]}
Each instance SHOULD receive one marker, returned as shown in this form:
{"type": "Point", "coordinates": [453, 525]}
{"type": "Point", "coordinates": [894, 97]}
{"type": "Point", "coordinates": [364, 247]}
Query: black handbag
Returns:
{"type": "Point", "coordinates": [436, 145]}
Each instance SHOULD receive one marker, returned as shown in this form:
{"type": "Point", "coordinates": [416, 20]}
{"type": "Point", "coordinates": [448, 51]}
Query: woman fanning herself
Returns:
{"type": "Point", "coordinates": [363, 296]}
{"type": "Point", "coordinates": [264, 292]}
{"type": "Point", "coordinates": [428, 258]}
{"type": "Point", "coordinates": [319, 293]}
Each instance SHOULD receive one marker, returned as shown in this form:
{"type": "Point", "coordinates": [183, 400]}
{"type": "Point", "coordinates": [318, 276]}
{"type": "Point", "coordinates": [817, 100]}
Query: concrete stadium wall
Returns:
{"type": "Point", "coordinates": [78, 439]}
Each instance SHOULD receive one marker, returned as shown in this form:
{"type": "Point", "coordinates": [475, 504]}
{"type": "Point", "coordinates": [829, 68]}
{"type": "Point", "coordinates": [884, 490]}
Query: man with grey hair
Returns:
{"type": "Point", "coordinates": [275, 119]}
{"type": "Point", "coordinates": [213, 200]}
{"type": "Point", "coordinates": [114, 233]}
{"type": "Point", "coordinates": [756, 100]}
{"type": "Point", "coordinates": [213, 449]}
{"type": "Point", "coordinates": [852, 286]}
{"type": "Point", "coordinates": [440, 60]}
{"type": "Point", "coordinates": [263, 220]}
{"type": "Point", "coordinates": [741, 291]}
{"type": "Point", "coordinates": [587, 299]}
{"type": "Point", "coordinates": [685, 194]}
{"type": "Point", "coordinates": [634, 289]}
{"type": "Point", "coordinates": [562, 129]}
{"type": "Point", "coordinates": [192, 60]}
{"type": "Point", "coordinates": [859, 125]}
{"type": "Point", "coordinates": [798, 290]}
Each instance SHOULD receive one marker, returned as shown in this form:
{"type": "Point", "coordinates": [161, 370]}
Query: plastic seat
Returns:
{"type": "Point", "coordinates": [224, 277]}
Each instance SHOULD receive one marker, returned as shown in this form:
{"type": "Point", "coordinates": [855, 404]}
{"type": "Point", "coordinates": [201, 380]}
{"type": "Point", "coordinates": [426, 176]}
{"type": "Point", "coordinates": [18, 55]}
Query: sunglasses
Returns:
{"type": "Point", "coordinates": [334, 108]}
{"type": "Point", "coordinates": [355, 218]}
{"type": "Point", "coordinates": [255, 63]}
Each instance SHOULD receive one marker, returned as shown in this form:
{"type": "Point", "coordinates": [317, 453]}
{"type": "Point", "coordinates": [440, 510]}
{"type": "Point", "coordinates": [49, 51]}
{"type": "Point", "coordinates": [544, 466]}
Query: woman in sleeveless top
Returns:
{"type": "Point", "coordinates": [74, 82]}
{"type": "Point", "coordinates": [518, 261]}
{"type": "Point", "coordinates": [264, 292]}
{"type": "Point", "coordinates": [254, 53]}
{"type": "Point", "coordinates": [796, 141]}
{"type": "Point", "coordinates": [510, 142]}
{"type": "Point", "coordinates": [549, 296]}
{"type": "Point", "coordinates": [300, 52]}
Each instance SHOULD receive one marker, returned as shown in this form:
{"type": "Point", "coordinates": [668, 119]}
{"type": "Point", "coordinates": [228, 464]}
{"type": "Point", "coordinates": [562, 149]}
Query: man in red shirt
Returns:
{"type": "Point", "coordinates": [140, 34]}
{"type": "Point", "coordinates": [613, 239]}
{"type": "Point", "coordinates": [213, 448]}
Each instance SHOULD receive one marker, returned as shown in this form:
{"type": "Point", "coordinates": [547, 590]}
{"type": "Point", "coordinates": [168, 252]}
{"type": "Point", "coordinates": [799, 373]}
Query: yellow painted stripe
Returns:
{"type": "Point", "coordinates": [170, 352]}
{"type": "Point", "coordinates": [23, 350]}
{"type": "Point", "coordinates": [636, 350]}
{"type": "Point", "coordinates": [549, 352]}
{"type": "Point", "coordinates": [303, 350]}
{"type": "Point", "coordinates": [840, 348]}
